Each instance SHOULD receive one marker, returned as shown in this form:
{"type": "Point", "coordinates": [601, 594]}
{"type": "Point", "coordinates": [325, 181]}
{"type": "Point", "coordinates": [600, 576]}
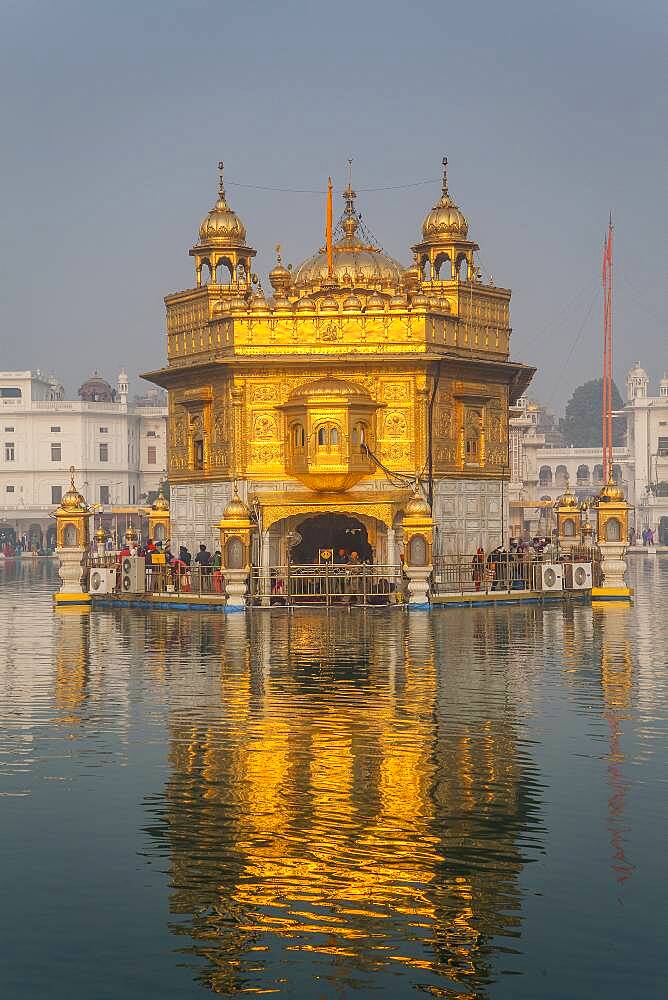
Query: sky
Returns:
{"type": "Point", "coordinates": [114, 116]}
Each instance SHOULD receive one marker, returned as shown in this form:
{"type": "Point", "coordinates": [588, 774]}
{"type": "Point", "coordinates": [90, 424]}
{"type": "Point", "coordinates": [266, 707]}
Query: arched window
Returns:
{"type": "Point", "coordinates": [69, 536]}
{"type": "Point", "coordinates": [298, 437]}
{"type": "Point", "coordinates": [613, 530]}
{"type": "Point", "coordinates": [159, 532]}
{"type": "Point", "coordinates": [582, 474]}
{"type": "Point", "coordinates": [569, 528]}
{"type": "Point", "coordinates": [472, 435]}
{"type": "Point", "coordinates": [616, 474]}
{"type": "Point", "coordinates": [443, 267]}
{"type": "Point", "coordinates": [234, 554]}
{"type": "Point", "coordinates": [360, 436]}
{"type": "Point", "coordinates": [417, 551]}
{"type": "Point", "coordinates": [561, 475]}
{"type": "Point", "coordinates": [545, 475]}
{"type": "Point", "coordinates": [198, 454]}
{"type": "Point", "coordinates": [328, 436]}
{"type": "Point", "coordinates": [598, 473]}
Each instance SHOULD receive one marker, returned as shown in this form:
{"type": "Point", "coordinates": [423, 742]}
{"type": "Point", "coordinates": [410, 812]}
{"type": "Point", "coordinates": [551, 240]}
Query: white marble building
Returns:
{"type": "Point", "coordinates": [118, 448]}
{"type": "Point", "coordinates": [540, 474]}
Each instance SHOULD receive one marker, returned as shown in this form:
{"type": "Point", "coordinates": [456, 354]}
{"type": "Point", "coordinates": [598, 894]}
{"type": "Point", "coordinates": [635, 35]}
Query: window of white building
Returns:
{"type": "Point", "coordinates": [104, 495]}
{"type": "Point", "coordinates": [104, 452]}
{"type": "Point", "coordinates": [152, 456]}
{"type": "Point", "coordinates": [104, 430]}
{"type": "Point", "coordinates": [56, 494]}
{"type": "Point", "coordinates": [9, 489]}
{"type": "Point", "coordinates": [56, 454]}
{"type": "Point", "coordinates": [55, 430]}
{"type": "Point", "coordinates": [9, 430]}
{"type": "Point", "coordinates": [10, 453]}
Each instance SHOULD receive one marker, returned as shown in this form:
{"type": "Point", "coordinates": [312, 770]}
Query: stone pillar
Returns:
{"type": "Point", "coordinates": [418, 527]}
{"type": "Point", "coordinates": [613, 565]}
{"type": "Point", "coordinates": [72, 539]}
{"type": "Point", "coordinates": [236, 588]}
{"type": "Point", "coordinates": [265, 572]}
{"type": "Point", "coordinates": [235, 530]}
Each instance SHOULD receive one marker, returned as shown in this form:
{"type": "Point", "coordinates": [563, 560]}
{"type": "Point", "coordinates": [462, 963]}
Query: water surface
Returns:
{"type": "Point", "coordinates": [467, 803]}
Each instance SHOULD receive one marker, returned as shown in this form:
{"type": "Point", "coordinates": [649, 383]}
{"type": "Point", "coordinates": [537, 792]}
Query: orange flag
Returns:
{"type": "Point", "coordinates": [330, 261]}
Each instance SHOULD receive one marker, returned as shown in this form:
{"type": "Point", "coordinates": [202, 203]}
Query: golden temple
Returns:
{"type": "Point", "coordinates": [355, 377]}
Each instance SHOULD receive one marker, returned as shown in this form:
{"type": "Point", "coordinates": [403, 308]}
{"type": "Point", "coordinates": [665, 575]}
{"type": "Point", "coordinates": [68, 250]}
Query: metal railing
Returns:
{"type": "Point", "coordinates": [504, 572]}
{"type": "Point", "coordinates": [369, 585]}
{"type": "Point", "coordinates": [177, 578]}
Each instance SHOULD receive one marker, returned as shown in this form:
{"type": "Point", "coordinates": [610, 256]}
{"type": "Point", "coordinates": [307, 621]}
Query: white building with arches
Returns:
{"type": "Point", "coordinates": [118, 449]}
{"type": "Point", "coordinates": [541, 474]}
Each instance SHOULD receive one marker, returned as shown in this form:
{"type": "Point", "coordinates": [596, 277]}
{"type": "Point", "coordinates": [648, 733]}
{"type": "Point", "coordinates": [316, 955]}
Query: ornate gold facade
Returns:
{"type": "Point", "coordinates": [355, 362]}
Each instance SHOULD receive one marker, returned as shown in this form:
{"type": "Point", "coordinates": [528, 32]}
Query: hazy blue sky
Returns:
{"type": "Point", "coordinates": [113, 117]}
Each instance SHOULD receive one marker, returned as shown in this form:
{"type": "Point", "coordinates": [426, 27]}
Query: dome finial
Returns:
{"type": "Point", "coordinates": [445, 175]}
{"type": "Point", "coordinates": [350, 220]}
{"type": "Point", "coordinates": [221, 186]}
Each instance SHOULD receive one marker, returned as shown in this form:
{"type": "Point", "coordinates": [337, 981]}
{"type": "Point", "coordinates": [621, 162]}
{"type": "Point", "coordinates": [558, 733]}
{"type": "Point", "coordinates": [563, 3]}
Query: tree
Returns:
{"type": "Point", "coordinates": [582, 424]}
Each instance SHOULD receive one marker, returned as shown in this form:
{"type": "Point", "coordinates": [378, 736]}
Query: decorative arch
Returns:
{"type": "Point", "coordinates": [545, 475]}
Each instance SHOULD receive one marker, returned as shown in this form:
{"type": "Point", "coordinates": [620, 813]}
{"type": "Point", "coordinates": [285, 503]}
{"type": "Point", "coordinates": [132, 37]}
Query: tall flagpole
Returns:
{"type": "Point", "coordinates": [330, 260]}
{"type": "Point", "coordinates": [610, 464]}
{"type": "Point", "coordinates": [606, 415]}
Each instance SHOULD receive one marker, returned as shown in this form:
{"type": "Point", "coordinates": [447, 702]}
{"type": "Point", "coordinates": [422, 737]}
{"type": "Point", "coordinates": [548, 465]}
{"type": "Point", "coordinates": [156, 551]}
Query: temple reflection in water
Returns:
{"type": "Point", "coordinates": [339, 801]}
{"type": "Point", "coordinates": [351, 786]}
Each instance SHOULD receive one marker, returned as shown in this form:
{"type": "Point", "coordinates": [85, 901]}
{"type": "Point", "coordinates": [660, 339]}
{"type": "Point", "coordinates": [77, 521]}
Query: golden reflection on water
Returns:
{"type": "Point", "coordinates": [332, 803]}
{"type": "Point", "coordinates": [339, 786]}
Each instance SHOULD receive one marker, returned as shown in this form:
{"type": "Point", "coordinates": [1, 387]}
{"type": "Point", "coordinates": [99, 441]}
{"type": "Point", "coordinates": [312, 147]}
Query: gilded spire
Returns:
{"type": "Point", "coordinates": [445, 176]}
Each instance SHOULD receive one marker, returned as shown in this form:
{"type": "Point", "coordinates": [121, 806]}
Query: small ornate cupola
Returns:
{"type": "Point", "coordinates": [445, 253]}
{"type": "Point", "coordinates": [221, 250]}
{"type": "Point", "coordinates": [637, 383]}
{"type": "Point", "coordinates": [280, 277]}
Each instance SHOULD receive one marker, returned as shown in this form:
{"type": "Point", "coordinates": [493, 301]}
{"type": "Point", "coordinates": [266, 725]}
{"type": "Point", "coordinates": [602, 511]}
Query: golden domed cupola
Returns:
{"type": "Point", "coordinates": [221, 250]}
{"type": "Point", "coordinates": [357, 264]}
{"type": "Point", "coordinates": [280, 277]}
{"type": "Point", "coordinates": [445, 253]}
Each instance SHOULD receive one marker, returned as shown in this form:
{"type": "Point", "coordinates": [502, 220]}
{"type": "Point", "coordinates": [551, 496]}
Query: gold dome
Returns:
{"type": "Point", "coordinates": [352, 303]}
{"type": "Point", "coordinates": [375, 303]}
{"type": "Point", "coordinates": [611, 492]}
{"type": "Point", "coordinates": [569, 499]}
{"type": "Point", "coordinates": [337, 388]}
{"type": "Point", "coordinates": [160, 502]}
{"type": "Point", "coordinates": [73, 500]}
{"type": "Point", "coordinates": [100, 535]}
{"type": "Point", "coordinates": [355, 264]}
{"type": "Point", "coordinates": [280, 277]}
{"type": "Point", "coordinates": [420, 301]}
{"type": "Point", "coordinates": [222, 226]}
{"type": "Point", "coordinates": [305, 305]}
{"type": "Point", "coordinates": [236, 509]}
{"type": "Point", "coordinates": [445, 220]}
{"type": "Point", "coordinates": [417, 506]}
{"type": "Point", "coordinates": [329, 304]}
{"type": "Point", "coordinates": [398, 301]}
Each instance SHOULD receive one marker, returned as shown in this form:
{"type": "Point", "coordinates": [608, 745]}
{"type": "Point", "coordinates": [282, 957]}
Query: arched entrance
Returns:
{"type": "Point", "coordinates": [331, 531]}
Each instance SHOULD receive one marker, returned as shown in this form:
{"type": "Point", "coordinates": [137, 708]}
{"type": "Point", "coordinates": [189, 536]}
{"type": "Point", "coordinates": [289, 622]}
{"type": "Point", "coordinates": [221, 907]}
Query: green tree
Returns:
{"type": "Point", "coordinates": [582, 424]}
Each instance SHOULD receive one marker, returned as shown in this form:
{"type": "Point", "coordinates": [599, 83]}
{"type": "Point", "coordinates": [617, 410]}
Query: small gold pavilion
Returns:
{"type": "Point", "coordinates": [327, 399]}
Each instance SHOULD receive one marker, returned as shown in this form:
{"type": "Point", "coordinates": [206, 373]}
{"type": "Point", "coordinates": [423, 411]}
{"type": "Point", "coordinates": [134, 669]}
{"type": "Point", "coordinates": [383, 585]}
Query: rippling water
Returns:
{"type": "Point", "coordinates": [468, 803]}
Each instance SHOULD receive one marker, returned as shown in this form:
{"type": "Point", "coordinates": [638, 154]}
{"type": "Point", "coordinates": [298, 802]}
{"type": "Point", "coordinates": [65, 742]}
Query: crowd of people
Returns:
{"type": "Point", "coordinates": [509, 568]}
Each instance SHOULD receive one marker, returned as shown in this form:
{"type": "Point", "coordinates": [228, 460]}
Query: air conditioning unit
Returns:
{"type": "Point", "coordinates": [102, 580]}
{"type": "Point", "coordinates": [133, 575]}
{"type": "Point", "coordinates": [550, 576]}
{"type": "Point", "coordinates": [578, 576]}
